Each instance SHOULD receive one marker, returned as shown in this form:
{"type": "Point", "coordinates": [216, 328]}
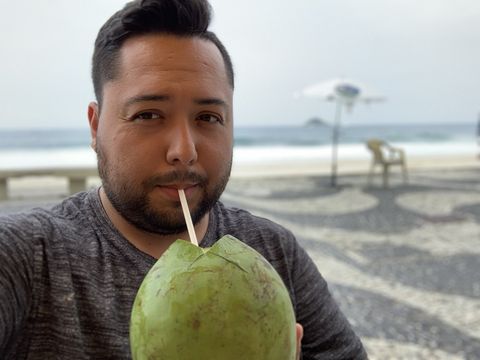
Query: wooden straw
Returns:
{"type": "Point", "coordinates": [188, 218]}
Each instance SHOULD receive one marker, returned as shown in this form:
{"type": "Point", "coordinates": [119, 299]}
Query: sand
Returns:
{"type": "Point", "coordinates": [46, 187]}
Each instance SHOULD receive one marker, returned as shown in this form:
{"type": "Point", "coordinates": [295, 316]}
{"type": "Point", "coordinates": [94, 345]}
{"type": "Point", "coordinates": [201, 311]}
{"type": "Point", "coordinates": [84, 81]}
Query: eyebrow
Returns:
{"type": "Point", "coordinates": [159, 97]}
{"type": "Point", "coordinates": [211, 101]}
{"type": "Point", "coordinates": [142, 98]}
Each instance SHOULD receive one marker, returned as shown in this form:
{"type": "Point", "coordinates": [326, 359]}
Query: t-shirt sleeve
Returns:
{"type": "Point", "coordinates": [16, 274]}
{"type": "Point", "coordinates": [327, 333]}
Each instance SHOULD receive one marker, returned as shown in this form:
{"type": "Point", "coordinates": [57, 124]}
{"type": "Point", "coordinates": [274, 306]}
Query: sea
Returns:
{"type": "Point", "coordinates": [46, 148]}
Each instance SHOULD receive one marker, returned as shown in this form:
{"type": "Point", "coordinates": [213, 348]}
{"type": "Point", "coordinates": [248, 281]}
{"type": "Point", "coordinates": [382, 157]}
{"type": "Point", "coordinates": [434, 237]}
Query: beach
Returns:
{"type": "Point", "coordinates": [402, 262]}
{"type": "Point", "coordinates": [46, 188]}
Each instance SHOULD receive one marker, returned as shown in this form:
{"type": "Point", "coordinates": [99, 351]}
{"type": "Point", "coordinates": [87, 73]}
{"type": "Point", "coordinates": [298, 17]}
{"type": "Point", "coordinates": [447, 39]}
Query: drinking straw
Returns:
{"type": "Point", "coordinates": [188, 217]}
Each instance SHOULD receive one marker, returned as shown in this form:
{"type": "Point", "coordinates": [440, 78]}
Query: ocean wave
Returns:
{"type": "Point", "coordinates": [290, 136]}
{"type": "Point", "coordinates": [86, 157]}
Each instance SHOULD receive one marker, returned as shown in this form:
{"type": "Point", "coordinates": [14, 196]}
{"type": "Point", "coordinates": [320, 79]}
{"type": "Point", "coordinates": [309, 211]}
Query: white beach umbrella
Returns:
{"type": "Point", "coordinates": [345, 93]}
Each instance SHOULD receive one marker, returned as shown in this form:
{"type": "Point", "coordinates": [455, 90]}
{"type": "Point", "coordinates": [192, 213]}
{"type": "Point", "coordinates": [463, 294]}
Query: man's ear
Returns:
{"type": "Point", "coordinates": [93, 119]}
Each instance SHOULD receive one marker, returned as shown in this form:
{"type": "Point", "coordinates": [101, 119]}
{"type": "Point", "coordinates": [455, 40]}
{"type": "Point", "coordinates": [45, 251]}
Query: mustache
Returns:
{"type": "Point", "coordinates": [176, 177]}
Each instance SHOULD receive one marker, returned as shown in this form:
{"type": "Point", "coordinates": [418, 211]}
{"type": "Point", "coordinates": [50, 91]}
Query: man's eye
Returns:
{"type": "Point", "coordinates": [146, 116]}
{"type": "Point", "coordinates": [210, 118]}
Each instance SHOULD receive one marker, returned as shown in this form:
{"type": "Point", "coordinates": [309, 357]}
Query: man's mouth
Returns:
{"type": "Point", "coordinates": [170, 191]}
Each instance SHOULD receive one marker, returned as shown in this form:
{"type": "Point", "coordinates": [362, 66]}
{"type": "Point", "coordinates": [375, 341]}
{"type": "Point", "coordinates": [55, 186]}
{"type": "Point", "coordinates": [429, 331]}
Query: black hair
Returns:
{"type": "Point", "coordinates": [185, 18]}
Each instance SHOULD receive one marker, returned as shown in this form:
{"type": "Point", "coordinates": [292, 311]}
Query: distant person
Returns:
{"type": "Point", "coordinates": [162, 122]}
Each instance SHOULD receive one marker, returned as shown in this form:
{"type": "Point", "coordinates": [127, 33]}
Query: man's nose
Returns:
{"type": "Point", "coordinates": [182, 147]}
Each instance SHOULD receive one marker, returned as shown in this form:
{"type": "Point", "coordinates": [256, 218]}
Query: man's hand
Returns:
{"type": "Point", "coordinates": [299, 329]}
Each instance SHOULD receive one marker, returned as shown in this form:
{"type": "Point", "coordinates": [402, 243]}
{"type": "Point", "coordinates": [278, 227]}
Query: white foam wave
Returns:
{"type": "Point", "coordinates": [85, 157]}
{"type": "Point", "coordinates": [51, 158]}
{"type": "Point", "coordinates": [277, 154]}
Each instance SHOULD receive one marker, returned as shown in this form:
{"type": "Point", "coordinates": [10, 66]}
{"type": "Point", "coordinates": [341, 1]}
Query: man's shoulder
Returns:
{"type": "Point", "coordinates": [39, 220]}
{"type": "Point", "coordinates": [252, 228]}
{"type": "Point", "coordinates": [238, 217]}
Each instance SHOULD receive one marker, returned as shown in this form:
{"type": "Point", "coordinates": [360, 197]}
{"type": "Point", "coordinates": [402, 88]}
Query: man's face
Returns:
{"type": "Point", "coordinates": [165, 124]}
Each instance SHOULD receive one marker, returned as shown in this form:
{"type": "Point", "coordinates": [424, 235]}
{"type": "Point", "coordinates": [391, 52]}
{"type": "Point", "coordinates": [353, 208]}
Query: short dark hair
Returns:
{"type": "Point", "coordinates": [185, 18]}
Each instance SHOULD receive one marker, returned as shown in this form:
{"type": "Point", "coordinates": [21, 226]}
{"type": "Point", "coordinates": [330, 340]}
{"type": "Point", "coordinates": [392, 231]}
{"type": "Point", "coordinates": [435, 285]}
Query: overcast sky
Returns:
{"type": "Point", "coordinates": [423, 55]}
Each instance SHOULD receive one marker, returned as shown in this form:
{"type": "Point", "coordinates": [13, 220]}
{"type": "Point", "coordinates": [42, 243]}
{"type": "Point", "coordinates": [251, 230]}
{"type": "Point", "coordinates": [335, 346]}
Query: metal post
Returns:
{"type": "Point", "coordinates": [335, 135]}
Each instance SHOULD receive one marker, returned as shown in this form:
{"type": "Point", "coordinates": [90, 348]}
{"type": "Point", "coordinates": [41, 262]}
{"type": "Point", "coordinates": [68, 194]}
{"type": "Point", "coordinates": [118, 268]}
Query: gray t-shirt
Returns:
{"type": "Point", "coordinates": [68, 279]}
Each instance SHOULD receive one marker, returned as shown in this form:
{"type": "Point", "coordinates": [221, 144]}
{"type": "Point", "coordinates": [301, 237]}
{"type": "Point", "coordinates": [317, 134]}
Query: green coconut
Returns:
{"type": "Point", "coordinates": [221, 303]}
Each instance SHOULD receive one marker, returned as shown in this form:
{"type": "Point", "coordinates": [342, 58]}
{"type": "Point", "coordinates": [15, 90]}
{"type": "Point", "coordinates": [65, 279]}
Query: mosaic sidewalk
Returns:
{"type": "Point", "coordinates": [403, 263]}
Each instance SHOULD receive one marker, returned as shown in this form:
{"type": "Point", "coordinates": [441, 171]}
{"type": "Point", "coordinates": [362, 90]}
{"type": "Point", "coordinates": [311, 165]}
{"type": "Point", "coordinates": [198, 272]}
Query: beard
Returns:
{"type": "Point", "coordinates": [131, 198]}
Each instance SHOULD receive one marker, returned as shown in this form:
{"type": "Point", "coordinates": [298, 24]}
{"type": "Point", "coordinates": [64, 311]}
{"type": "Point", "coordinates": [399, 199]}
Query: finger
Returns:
{"type": "Point", "coordinates": [299, 333]}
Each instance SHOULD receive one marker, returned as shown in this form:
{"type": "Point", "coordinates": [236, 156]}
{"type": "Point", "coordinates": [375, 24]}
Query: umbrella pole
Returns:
{"type": "Point", "coordinates": [335, 135]}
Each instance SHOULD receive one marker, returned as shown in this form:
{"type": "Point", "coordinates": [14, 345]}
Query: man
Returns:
{"type": "Point", "coordinates": [162, 122]}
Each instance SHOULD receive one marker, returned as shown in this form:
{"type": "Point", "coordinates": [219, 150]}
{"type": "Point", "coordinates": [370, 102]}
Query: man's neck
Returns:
{"type": "Point", "coordinates": [153, 244]}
